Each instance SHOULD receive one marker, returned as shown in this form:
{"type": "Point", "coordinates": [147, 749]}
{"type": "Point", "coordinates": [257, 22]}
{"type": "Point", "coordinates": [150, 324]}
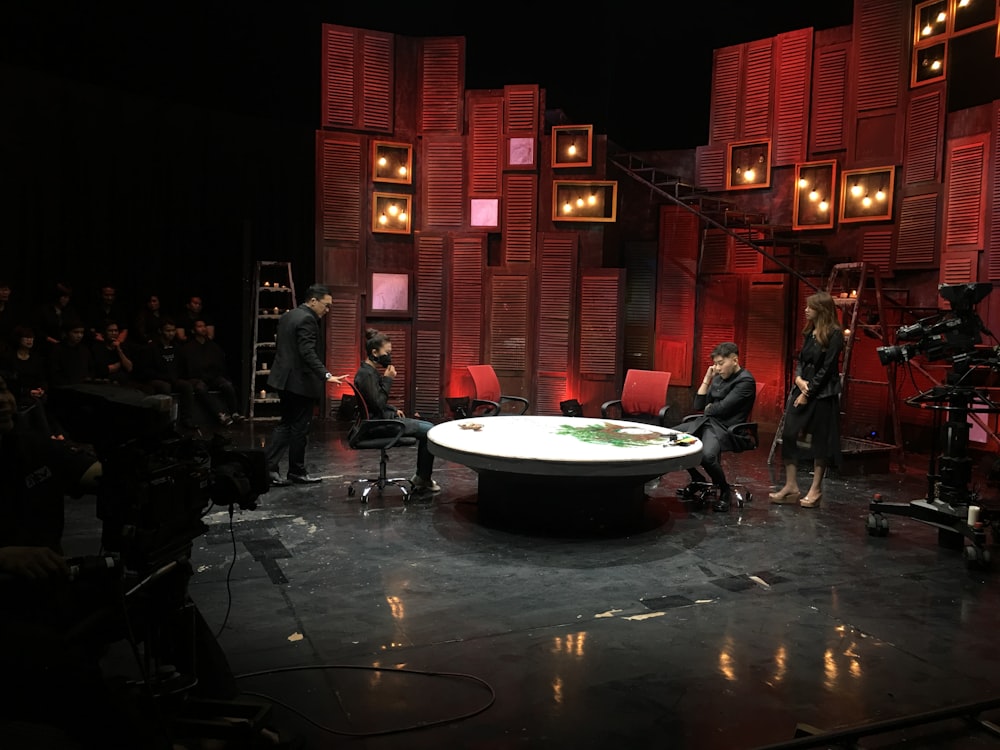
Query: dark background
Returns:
{"type": "Point", "coordinates": [165, 147]}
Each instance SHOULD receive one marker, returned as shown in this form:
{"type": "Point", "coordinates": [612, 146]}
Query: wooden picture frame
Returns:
{"type": "Point", "coordinates": [585, 200]}
{"type": "Point", "coordinates": [572, 146]}
{"type": "Point", "coordinates": [391, 212]}
{"type": "Point", "coordinates": [866, 194]}
{"type": "Point", "coordinates": [390, 294]}
{"type": "Point", "coordinates": [484, 212]}
{"type": "Point", "coordinates": [748, 165]}
{"type": "Point", "coordinates": [392, 162]}
{"type": "Point", "coordinates": [930, 64]}
{"type": "Point", "coordinates": [814, 190]}
{"type": "Point", "coordinates": [521, 153]}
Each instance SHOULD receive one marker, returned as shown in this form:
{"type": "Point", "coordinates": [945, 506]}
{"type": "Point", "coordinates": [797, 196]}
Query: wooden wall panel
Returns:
{"type": "Point", "coordinates": [829, 101]}
{"type": "Point", "coordinates": [715, 248]}
{"type": "Point", "coordinates": [743, 257]}
{"type": "Point", "coordinates": [726, 76]}
{"type": "Point", "coordinates": [507, 331]}
{"type": "Point", "coordinates": [519, 218]}
{"type": "Point", "coordinates": [881, 30]}
{"type": "Point", "coordinates": [676, 287]}
{"type": "Point", "coordinates": [556, 283]}
{"type": "Point", "coordinates": [521, 110]}
{"type": "Point", "coordinates": [601, 323]}
{"type": "Point", "coordinates": [923, 150]}
{"type": "Point", "coordinates": [339, 76]}
{"type": "Point", "coordinates": [959, 267]}
{"type": "Point", "coordinates": [917, 243]}
{"type": "Point", "coordinates": [429, 324]}
{"type": "Point", "coordinates": [443, 183]}
{"type": "Point", "coordinates": [757, 89]}
{"type": "Point", "coordinates": [343, 341]}
{"type": "Point", "coordinates": [485, 143]}
{"type": "Point", "coordinates": [718, 311]}
{"type": "Point", "coordinates": [430, 278]}
{"type": "Point", "coordinates": [965, 193]}
{"type": "Point", "coordinates": [993, 215]}
{"type": "Point", "coordinates": [442, 84]}
{"type": "Point", "coordinates": [358, 79]}
{"type": "Point", "coordinates": [876, 250]}
{"type": "Point", "coordinates": [427, 376]}
{"type": "Point", "coordinates": [341, 175]}
{"type": "Point", "coordinates": [640, 304]}
{"type": "Point", "coordinates": [764, 351]}
{"type": "Point", "coordinates": [710, 168]}
{"type": "Point", "coordinates": [793, 70]}
{"type": "Point", "coordinates": [465, 318]}
{"type": "Point", "coordinates": [377, 85]}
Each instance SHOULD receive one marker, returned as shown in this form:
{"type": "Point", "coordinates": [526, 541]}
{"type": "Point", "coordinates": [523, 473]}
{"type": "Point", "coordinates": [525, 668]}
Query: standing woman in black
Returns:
{"type": "Point", "coordinates": [813, 407]}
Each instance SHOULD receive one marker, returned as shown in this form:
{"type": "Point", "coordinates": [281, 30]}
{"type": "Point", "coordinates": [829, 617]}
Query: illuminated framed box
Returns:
{"type": "Point", "coordinates": [748, 165]}
{"type": "Point", "coordinates": [390, 294]}
{"type": "Point", "coordinates": [593, 200]}
{"type": "Point", "coordinates": [930, 19]}
{"type": "Point", "coordinates": [392, 162]}
{"type": "Point", "coordinates": [520, 153]}
{"type": "Point", "coordinates": [929, 64]}
{"type": "Point", "coordinates": [970, 16]}
{"type": "Point", "coordinates": [866, 194]}
{"type": "Point", "coordinates": [391, 212]}
{"type": "Point", "coordinates": [815, 187]}
{"type": "Point", "coordinates": [572, 145]}
{"type": "Point", "coordinates": [484, 212]}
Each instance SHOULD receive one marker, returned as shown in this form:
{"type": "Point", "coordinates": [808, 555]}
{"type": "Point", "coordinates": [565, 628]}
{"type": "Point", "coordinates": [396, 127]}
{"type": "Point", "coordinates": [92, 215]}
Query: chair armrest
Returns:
{"type": "Point", "coordinates": [662, 415]}
{"type": "Point", "coordinates": [376, 430]}
{"type": "Point", "coordinates": [744, 436]}
{"type": "Point", "coordinates": [522, 402]}
{"type": "Point", "coordinates": [482, 407]}
{"type": "Point", "coordinates": [607, 406]}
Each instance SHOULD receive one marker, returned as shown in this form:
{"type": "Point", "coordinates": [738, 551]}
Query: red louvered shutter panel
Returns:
{"type": "Point", "coordinates": [443, 183]}
{"type": "Point", "coordinates": [399, 333]}
{"type": "Point", "coordinates": [519, 220]}
{"type": "Point", "coordinates": [756, 96]}
{"type": "Point", "coordinates": [556, 282]}
{"type": "Point", "coordinates": [791, 127]}
{"type": "Point", "coordinates": [602, 292]}
{"type": "Point", "coordinates": [429, 354]}
{"type": "Point", "coordinates": [442, 82]}
{"type": "Point", "coordinates": [485, 116]}
{"type": "Point", "coordinates": [465, 321]}
{"type": "Point", "coordinates": [725, 94]}
{"type": "Point", "coordinates": [680, 232]}
{"type": "Point", "coordinates": [764, 352]}
{"type": "Point", "coordinates": [640, 304]}
{"type": "Point", "coordinates": [715, 251]}
{"type": "Point", "coordinates": [428, 388]}
{"type": "Point", "coordinates": [377, 82]}
{"type": "Point", "coordinates": [829, 99]}
{"type": "Point", "coordinates": [339, 76]}
{"type": "Point", "coordinates": [508, 325]}
{"type": "Point", "coordinates": [717, 320]}
{"type": "Point", "coordinates": [710, 168]}
{"type": "Point", "coordinates": [881, 30]}
{"type": "Point", "coordinates": [340, 207]}
{"type": "Point", "coordinates": [430, 278]}
{"type": "Point", "coordinates": [744, 258]}
{"type": "Point", "coordinates": [343, 340]}
{"type": "Point", "coordinates": [916, 246]}
{"type": "Point", "coordinates": [924, 135]}
{"type": "Point", "coordinates": [965, 193]}
{"type": "Point", "coordinates": [959, 267]}
{"type": "Point", "coordinates": [876, 249]}
{"type": "Point", "coordinates": [521, 110]}
{"type": "Point", "coordinates": [993, 261]}
{"type": "Point", "coordinates": [358, 78]}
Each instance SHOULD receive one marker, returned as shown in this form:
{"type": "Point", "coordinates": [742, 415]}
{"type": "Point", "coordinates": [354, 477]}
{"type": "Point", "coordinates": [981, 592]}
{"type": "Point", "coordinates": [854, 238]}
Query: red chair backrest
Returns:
{"type": "Point", "coordinates": [645, 391]}
{"type": "Point", "coordinates": [486, 382]}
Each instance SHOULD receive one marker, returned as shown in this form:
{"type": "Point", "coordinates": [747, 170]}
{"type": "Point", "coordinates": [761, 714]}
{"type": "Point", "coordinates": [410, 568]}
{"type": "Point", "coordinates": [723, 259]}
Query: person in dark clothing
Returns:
{"type": "Point", "coordinates": [813, 406]}
{"type": "Point", "coordinates": [106, 310]}
{"type": "Point", "coordinates": [157, 371]}
{"type": "Point", "coordinates": [725, 397]}
{"type": "Point", "coordinates": [27, 374]}
{"type": "Point", "coordinates": [71, 361]}
{"type": "Point", "coordinates": [299, 375]}
{"type": "Point", "coordinates": [53, 316]}
{"type": "Point", "coordinates": [374, 389]}
{"type": "Point", "coordinates": [203, 362]}
{"type": "Point", "coordinates": [112, 362]}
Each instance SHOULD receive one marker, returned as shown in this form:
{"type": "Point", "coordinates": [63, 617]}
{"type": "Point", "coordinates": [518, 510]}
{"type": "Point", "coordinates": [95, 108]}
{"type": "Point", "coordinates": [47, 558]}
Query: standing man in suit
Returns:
{"type": "Point", "coordinates": [299, 375]}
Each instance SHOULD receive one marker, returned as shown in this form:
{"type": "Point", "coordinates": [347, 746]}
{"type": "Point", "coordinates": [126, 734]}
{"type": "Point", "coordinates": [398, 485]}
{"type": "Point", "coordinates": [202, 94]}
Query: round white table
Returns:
{"type": "Point", "coordinates": [594, 467]}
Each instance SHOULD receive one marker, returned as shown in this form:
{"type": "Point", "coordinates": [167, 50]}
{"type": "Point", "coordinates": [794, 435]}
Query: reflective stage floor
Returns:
{"type": "Point", "coordinates": [416, 625]}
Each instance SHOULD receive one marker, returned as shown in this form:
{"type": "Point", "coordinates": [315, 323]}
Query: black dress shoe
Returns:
{"type": "Point", "coordinates": [277, 481]}
{"type": "Point", "coordinates": [721, 505]}
{"type": "Point", "coordinates": [693, 489]}
{"type": "Point", "coordinates": [303, 479]}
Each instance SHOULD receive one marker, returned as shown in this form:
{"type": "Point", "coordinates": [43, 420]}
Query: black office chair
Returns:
{"type": "Point", "coordinates": [380, 435]}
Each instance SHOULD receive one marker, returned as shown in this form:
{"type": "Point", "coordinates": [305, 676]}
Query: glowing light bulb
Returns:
{"type": "Point", "coordinates": [592, 200]}
{"type": "Point", "coordinates": [382, 161]}
{"type": "Point", "coordinates": [567, 208]}
{"type": "Point", "coordinates": [383, 220]}
{"type": "Point", "coordinates": [941, 17]}
{"type": "Point", "coordinates": [813, 196]}
{"type": "Point", "coordinates": [880, 195]}
{"type": "Point", "coordinates": [393, 209]}
{"type": "Point", "coordinates": [936, 65]}
{"type": "Point", "coordinates": [402, 171]}
{"type": "Point", "coordinates": [927, 30]}
{"type": "Point", "coordinates": [402, 216]}
{"type": "Point", "coordinates": [866, 201]}
{"type": "Point", "coordinates": [802, 182]}
{"type": "Point", "coordinates": [855, 190]}
{"type": "Point", "coordinates": [579, 202]}
{"type": "Point", "coordinates": [824, 206]}
{"type": "Point", "coordinates": [749, 175]}
{"type": "Point", "coordinates": [571, 150]}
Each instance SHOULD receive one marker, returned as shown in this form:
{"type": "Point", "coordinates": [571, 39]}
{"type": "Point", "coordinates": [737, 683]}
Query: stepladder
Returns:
{"type": "Point", "coordinates": [856, 289]}
{"type": "Point", "coordinates": [274, 295]}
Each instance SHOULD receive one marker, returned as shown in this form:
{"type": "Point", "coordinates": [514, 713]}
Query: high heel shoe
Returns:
{"type": "Point", "coordinates": [811, 502]}
{"type": "Point", "coordinates": [784, 497]}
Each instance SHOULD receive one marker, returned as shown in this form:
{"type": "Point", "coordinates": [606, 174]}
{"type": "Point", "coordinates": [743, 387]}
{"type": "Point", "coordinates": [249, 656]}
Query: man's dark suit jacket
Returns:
{"type": "Point", "coordinates": [298, 361]}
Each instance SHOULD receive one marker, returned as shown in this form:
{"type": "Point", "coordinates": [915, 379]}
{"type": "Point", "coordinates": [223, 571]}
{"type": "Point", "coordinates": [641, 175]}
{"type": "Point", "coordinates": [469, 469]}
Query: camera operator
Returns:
{"type": "Point", "coordinates": [52, 677]}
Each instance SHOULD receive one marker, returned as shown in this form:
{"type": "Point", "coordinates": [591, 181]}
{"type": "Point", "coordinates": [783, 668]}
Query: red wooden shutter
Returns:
{"type": "Point", "coordinates": [602, 293]}
{"type": "Point", "coordinates": [343, 339]}
{"type": "Point", "coordinates": [918, 234]}
{"type": "Point", "coordinates": [377, 85]}
{"type": "Point", "coordinates": [521, 111]}
{"type": "Point", "coordinates": [557, 257]}
{"type": "Point", "coordinates": [444, 194]}
{"type": "Point", "coordinates": [717, 319]}
{"type": "Point", "coordinates": [358, 79]}
{"type": "Point", "coordinates": [715, 251]}
{"type": "Point", "coordinates": [442, 82]}
{"type": "Point", "coordinates": [924, 135]}
{"type": "Point", "coordinates": [710, 168]}
{"type": "Point", "coordinates": [881, 30]}
{"type": "Point", "coordinates": [830, 99]}
{"type": "Point", "coordinates": [465, 321]}
{"type": "Point", "coordinates": [756, 95]}
{"type": "Point", "coordinates": [519, 220]}
{"type": "Point", "coordinates": [429, 355]}
{"type": "Point", "coordinates": [508, 325]}
{"type": "Point", "coordinates": [725, 94]}
{"type": "Point", "coordinates": [965, 193]}
{"type": "Point", "coordinates": [680, 231]}
{"type": "Point", "coordinates": [993, 259]}
{"type": "Point", "coordinates": [764, 352]}
{"type": "Point", "coordinates": [959, 267]}
{"type": "Point", "coordinates": [339, 77]}
{"type": "Point", "coordinates": [793, 59]}
{"type": "Point", "coordinates": [485, 116]}
{"type": "Point", "coordinates": [876, 249]}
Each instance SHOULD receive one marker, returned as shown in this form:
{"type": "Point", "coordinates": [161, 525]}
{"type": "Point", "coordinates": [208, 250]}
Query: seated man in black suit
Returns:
{"type": "Point", "coordinates": [725, 397]}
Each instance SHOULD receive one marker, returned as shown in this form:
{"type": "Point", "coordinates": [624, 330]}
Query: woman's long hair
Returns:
{"type": "Point", "coordinates": [826, 321]}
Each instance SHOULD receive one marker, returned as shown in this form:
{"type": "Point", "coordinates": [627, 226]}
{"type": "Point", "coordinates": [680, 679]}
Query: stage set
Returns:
{"type": "Point", "coordinates": [424, 624]}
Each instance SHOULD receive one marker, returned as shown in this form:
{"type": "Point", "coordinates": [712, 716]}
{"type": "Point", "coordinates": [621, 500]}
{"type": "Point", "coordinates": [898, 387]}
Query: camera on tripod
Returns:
{"type": "Point", "coordinates": [954, 334]}
{"type": "Point", "coordinates": [155, 484]}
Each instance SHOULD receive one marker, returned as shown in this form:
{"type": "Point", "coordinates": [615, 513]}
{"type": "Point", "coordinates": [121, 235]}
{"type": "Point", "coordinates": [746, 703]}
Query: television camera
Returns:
{"type": "Point", "coordinates": [953, 334]}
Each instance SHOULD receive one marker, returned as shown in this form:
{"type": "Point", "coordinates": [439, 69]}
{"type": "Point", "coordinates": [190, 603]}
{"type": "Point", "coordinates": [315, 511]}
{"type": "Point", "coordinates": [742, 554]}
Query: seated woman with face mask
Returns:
{"type": "Point", "coordinates": [374, 388]}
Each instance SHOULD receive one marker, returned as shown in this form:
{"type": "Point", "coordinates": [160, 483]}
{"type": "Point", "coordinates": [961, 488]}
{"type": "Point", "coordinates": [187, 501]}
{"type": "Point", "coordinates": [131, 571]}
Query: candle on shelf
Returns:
{"type": "Point", "coordinates": [854, 293]}
{"type": "Point", "coordinates": [263, 394]}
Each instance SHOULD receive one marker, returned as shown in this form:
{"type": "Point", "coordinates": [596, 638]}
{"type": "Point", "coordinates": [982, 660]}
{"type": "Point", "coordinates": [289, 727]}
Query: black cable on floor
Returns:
{"type": "Point", "coordinates": [424, 725]}
{"type": "Point", "coordinates": [229, 574]}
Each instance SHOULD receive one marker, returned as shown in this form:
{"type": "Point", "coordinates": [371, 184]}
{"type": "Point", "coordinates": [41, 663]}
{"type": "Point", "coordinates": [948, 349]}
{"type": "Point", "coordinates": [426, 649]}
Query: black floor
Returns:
{"type": "Point", "coordinates": [416, 625]}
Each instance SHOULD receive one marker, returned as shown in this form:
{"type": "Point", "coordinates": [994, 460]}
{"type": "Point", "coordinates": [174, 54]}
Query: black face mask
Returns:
{"type": "Point", "coordinates": [383, 359]}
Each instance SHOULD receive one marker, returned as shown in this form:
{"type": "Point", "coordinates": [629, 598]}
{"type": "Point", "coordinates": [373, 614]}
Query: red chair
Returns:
{"type": "Point", "coordinates": [488, 401]}
{"type": "Point", "coordinates": [644, 398]}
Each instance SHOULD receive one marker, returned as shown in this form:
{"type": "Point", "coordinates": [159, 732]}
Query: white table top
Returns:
{"type": "Point", "coordinates": [563, 446]}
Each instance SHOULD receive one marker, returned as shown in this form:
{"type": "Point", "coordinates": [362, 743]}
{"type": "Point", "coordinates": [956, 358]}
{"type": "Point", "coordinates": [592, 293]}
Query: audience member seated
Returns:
{"type": "Point", "coordinates": [192, 313]}
{"type": "Point", "coordinates": [147, 320]}
{"type": "Point", "coordinates": [203, 363]}
{"type": "Point", "coordinates": [157, 371]}
{"type": "Point", "coordinates": [26, 374]}
{"type": "Point", "coordinates": [105, 310]}
{"type": "Point", "coordinates": [50, 325]}
{"type": "Point", "coordinates": [111, 360]}
{"type": "Point", "coordinates": [71, 361]}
